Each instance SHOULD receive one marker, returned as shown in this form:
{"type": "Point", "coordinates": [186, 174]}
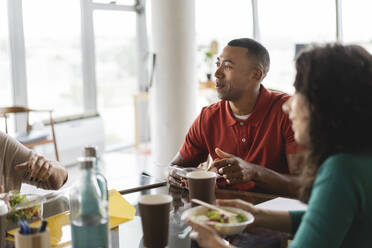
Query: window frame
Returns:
{"type": "Point", "coordinates": [18, 58]}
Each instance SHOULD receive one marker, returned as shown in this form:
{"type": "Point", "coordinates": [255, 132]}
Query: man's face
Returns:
{"type": "Point", "coordinates": [235, 73]}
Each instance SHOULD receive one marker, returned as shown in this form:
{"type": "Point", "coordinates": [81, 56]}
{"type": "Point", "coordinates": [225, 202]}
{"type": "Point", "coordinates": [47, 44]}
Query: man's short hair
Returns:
{"type": "Point", "coordinates": [255, 50]}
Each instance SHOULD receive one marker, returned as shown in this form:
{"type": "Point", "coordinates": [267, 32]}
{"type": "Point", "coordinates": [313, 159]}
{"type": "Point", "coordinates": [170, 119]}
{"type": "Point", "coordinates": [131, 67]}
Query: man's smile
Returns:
{"type": "Point", "coordinates": [220, 84]}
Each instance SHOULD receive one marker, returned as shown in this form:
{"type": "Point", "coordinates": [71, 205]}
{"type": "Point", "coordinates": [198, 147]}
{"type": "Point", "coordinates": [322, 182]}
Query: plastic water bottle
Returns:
{"type": "Point", "coordinates": [89, 209]}
{"type": "Point", "coordinates": [91, 152]}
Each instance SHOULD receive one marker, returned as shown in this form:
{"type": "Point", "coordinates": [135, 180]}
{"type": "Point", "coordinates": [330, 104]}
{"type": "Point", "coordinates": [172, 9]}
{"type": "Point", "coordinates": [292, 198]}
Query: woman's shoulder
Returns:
{"type": "Point", "coordinates": [347, 158]}
{"type": "Point", "coordinates": [348, 163]}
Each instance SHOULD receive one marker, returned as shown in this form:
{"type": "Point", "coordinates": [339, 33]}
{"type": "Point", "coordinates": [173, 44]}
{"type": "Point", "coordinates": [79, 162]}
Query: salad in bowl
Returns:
{"type": "Point", "coordinates": [223, 224]}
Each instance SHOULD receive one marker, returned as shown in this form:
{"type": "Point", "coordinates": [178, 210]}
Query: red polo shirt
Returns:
{"type": "Point", "coordinates": [264, 138]}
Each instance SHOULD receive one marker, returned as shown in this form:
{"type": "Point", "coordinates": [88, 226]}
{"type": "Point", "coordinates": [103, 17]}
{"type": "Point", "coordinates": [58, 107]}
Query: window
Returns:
{"type": "Point", "coordinates": [220, 20]}
{"type": "Point", "coordinates": [285, 23]}
{"type": "Point", "coordinates": [5, 76]}
{"type": "Point", "coordinates": [53, 55]}
{"type": "Point", "coordinates": [115, 40]}
{"type": "Point", "coordinates": [356, 22]}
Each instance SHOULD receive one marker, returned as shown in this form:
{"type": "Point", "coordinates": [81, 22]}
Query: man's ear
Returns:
{"type": "Point", "coordinates": [258, 74]}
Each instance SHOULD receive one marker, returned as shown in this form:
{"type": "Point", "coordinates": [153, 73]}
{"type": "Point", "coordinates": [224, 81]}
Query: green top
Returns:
{"type": "Point", "coordinates": [339, 213]}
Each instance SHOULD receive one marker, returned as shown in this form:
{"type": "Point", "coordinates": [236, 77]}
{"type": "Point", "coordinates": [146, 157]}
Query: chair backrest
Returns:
{"type": "Point", "coordinates": [5, 111]}
{"type": "Point", "coordinates": [14, 109]}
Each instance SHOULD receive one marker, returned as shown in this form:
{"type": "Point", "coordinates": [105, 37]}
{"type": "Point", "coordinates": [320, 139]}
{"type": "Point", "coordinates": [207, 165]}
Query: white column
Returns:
{"type": "Point", "coordinates": [174, 92]}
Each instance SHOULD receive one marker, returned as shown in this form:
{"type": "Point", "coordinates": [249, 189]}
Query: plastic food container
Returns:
{"type": "Point", "coordinates": [24, 206]}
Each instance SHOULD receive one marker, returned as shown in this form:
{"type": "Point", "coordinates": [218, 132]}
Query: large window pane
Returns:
{"type": "Point", "coordinates": [5, 79]}
{"type": "Point", "coordinates": [115, 34]}
{"type": "Point", "coordinates": [53, 55]}
{"type": "Point", "coordinates": [284, 24]}
{"type": "Point", "coordinates": [357, 20]}
{"type": "Point", "coordinates": [220, 20]}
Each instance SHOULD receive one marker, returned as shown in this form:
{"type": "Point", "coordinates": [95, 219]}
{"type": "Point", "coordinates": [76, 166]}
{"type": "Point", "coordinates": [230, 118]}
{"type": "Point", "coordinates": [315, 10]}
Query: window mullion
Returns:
{"type": "Point", "coordinates": [339, 35]}
{"type": "Point", "coordinates": [17, 59]}
{"type": "Point", "coordinates": [256, 27]}
{"type": "Point", "coordinates": [142, 47]}
{"type": "Point", "coordinates": [88, 57]}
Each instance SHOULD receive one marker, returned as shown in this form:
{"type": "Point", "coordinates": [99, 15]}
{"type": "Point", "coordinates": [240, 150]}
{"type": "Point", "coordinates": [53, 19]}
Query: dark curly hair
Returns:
{"type": "Point", "coordinates": [336, 81]}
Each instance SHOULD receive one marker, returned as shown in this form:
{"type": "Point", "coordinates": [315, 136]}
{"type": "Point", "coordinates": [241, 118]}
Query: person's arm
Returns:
{"type": "Point", "coordinates": [22, 165]}
{"type": "Point", "coordinates": [181, 162]}
{"type": "Point", "coordinates": [192, 153]}
{"type": "Point", "coordinates": [272, 181]}
{"type": "Point", "coordinates": [194, 149]}
{"type": "Point", "coordinates": [237, 170]}
{"type": "Point", "coordinates": [43, 173]}
{"type": "Point", "coordinates": [270, 219]}
{"type": "Point", "coordinates": [176, 176]}
{"type": "Point", "coordinates": [205, 236]}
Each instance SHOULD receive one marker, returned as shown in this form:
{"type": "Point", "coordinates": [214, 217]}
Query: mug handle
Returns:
{"type": "Point", "coordinates": [102, 183]}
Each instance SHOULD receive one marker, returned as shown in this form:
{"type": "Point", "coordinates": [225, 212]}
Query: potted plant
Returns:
{"type": "Point", "coordinates": [209, 58]}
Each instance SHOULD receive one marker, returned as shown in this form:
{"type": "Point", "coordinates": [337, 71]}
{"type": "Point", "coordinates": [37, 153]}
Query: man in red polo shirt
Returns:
{"type": "Point", "coordinates": [247, 134]}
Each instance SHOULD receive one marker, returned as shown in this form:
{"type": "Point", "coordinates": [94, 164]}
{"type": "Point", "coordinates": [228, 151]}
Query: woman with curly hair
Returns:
{"type": "Point", "coordinates": [331, 114]}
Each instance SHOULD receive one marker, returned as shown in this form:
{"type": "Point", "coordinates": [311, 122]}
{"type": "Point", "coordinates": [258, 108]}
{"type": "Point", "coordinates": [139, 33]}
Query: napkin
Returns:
{"type": "Point", "coordinates": [120, 210]}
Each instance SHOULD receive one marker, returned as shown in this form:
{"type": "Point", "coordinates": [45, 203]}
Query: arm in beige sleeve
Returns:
{"type": "Point", "coordinates": [58, 176]}
{"type": "Point", "coordinates": [44, 173]}
{"type": "Point", "coordinates": [14, 153]}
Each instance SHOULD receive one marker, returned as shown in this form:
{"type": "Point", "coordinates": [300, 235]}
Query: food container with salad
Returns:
{"type": "Point", "coordinates": [223, 224]}
{"type": "Point", "coordinates": [24, 206]}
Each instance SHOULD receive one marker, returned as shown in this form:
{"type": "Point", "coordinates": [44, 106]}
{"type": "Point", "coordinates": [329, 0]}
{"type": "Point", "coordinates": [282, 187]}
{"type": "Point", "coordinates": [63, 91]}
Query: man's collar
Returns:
{"type": "Point", "coordinates": [258, 110]}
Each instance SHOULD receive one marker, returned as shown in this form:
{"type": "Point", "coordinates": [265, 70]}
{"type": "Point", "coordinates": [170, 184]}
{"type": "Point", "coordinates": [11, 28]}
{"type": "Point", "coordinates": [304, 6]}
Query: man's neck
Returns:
{"type": "Point", "coordinates": [246, 103]}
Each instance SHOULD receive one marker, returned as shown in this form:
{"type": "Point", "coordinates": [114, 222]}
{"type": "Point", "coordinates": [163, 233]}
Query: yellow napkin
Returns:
{"type": "Point", "coordinates": [120, 210]}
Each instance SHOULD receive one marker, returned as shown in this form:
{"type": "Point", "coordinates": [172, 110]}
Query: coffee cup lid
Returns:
{"type": "Point", "coordinates": [201, 174]}
{"type": "Point", "coordinates": [3, 207]}
{"type": "Point", "coordinates": [155, 199]}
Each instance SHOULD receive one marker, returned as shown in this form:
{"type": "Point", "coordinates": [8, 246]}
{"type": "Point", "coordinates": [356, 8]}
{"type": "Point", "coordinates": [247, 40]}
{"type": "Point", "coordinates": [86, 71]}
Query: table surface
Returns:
{"type": "Point", "coordinates": [129, 234]}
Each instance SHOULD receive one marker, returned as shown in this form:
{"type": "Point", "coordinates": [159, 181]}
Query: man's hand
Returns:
{"type": "Point", "coordinates": [205, 236]}
{"type": "Point", "coordinates": [233, 168]}
{"type": "Point", "coordinates": [39, 168]}
{"type": "Point", "coordinates": [177, 178]}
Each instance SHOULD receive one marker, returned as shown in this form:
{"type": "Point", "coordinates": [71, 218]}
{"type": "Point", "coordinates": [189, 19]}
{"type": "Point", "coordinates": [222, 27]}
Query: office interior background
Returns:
{"type": "Point", "coordinates": [96, 62]}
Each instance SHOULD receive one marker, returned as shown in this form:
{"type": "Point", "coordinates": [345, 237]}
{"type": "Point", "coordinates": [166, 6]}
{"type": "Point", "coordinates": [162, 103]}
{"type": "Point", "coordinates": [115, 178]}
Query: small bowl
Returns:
{"type": "Point", "coordinates": [221, 228]}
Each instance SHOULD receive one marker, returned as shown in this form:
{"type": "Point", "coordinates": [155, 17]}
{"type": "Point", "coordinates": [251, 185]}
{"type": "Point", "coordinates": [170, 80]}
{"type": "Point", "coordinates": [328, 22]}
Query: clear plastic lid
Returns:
{"type": "Point", "coordinates": [26, 201]}
{"type": "Point", "coordinates": [24, 206]}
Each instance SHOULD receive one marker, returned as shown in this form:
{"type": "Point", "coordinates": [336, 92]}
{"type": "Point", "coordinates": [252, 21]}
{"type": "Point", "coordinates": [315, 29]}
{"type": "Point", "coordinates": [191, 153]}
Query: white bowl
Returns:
{"type": "Point", "coordinates": [221, 228]}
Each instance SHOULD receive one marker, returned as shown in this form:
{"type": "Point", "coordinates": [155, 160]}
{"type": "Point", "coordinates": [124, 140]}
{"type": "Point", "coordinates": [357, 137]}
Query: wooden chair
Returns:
{"type": "Point", "coordinates": [31, 138]}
